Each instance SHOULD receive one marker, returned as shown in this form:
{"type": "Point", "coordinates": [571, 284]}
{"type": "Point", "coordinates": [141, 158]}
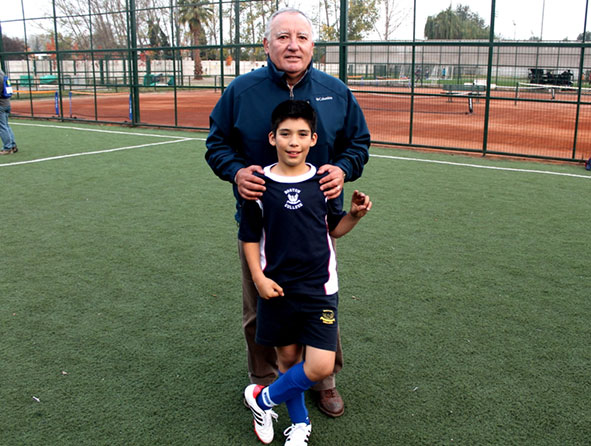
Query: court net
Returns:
{"type": "Point", "coordinates": [386, 104]}
{"type": "Point", "coordinates": [547, 91]}
{"type": "Point", "coordinates": [384, 84]}
{"type": "Point", "coordinates": [99, 104]}
{"type": "Point", "coordinates": [17, 94]}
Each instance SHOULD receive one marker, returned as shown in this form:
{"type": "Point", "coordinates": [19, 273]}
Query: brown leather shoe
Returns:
{"type": "Point", "coordinates": [5, 152]}
{"type": "Point", "coordinates": [330, 402]}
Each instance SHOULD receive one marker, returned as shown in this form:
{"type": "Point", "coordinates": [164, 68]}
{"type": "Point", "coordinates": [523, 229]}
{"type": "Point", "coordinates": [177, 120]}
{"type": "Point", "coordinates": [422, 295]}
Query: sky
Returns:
{"type": "Point", "coordinates": [519, 19]}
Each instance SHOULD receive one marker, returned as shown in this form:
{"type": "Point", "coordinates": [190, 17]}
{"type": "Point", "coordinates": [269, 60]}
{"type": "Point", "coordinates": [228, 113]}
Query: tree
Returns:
{"type": "Point", "coordinates": [195, 15]}
{"type": "Point", "coordinates": [13, 45]}
{"type": "Point", "coordinates": [587, 37]}
{"type": "Point", "coordinates": [362, 16]}
{"type": "Point", "coordinates": [158, 38]}
{"type": "Point", "coordinates": [457, 24]}
{"type": "Point", "coordinates": [109, 30]}
{"type": "Point", "coordinates": [392, 18]}
{"type": "Point", "coordinates": [254, 16]}
{"type": "Point", "coordinates": [361, 19]}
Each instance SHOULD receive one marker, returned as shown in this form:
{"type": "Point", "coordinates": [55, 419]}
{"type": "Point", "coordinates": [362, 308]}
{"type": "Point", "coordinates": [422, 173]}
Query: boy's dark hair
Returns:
{"type": "Point", "coordinates": [293, 109]}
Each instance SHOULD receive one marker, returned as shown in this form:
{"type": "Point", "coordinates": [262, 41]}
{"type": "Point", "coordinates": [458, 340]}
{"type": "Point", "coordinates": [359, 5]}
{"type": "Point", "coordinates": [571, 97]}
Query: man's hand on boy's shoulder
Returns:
{"type": "Point", "coordinates": [250, 187]}
{"type": "Point", "coordinates": [332, 183]}
{"type": "Point", "coordinates": [360, 204]}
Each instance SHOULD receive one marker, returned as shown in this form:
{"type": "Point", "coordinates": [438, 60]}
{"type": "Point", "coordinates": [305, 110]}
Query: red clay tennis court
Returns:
{"type": "Point", "coordinates": [524, 127]}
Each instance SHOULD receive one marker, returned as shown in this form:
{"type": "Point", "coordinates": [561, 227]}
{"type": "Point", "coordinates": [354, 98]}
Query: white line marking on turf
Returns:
{"type": "Point", "coordinates": [401, 158]}
{"type": "Point", "coordinates": [102, 131]}
{"type": "Point", "coordinates": [480, 166]}
{"type": "Point", "coordinates": [96, 152]}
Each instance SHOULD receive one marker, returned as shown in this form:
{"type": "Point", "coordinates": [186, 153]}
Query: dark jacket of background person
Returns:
{"type": "Point", "coordinates": [4, 102]}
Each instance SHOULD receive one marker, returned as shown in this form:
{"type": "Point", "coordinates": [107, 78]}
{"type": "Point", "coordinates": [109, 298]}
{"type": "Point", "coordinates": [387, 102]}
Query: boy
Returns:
{"type": "Point", "coordinates": [286, 240]}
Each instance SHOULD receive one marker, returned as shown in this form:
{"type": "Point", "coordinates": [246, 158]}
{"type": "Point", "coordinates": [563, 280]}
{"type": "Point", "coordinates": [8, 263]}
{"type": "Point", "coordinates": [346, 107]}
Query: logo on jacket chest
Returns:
{"type": "Point", "coordinates": [293, 198]}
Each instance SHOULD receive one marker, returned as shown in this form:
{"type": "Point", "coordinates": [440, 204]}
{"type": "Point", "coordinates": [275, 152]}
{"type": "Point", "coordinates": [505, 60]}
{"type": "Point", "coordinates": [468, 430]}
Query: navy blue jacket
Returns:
{"type": "Point", "coordinates": [241, 120]}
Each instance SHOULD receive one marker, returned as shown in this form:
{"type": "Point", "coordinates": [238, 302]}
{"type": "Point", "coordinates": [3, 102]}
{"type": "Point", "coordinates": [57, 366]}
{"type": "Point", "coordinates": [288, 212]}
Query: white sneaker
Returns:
{"type": "Point", "coordinates": [298, 434]}
{"type": "Point", "coordinates": [263, 419]}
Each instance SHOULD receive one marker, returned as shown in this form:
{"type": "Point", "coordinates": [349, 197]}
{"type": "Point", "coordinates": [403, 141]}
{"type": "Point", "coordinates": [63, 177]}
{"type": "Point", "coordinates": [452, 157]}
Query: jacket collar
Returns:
{"type": "Point", "coordinates": [279, 76]}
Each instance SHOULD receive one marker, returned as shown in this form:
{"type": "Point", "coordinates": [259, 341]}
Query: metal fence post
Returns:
{"type": "Point", "coordinates": [222, 83]}
{"type": "Point", "coordinates": [236, 37]}
{"type": "Point", "coordinates": [174, 68]}
{"type": "Point", "coordinates": [491, 41]}
{"type": "Point", "coordinates": [412, 75]}
{"type": "Point", "coordinates": [343, 48]}
{"type": "Point", "coordinates": [58, 64]}
{"type": "Point", "coordinates": [134, 90]}
{"type": "Point", "coordinates": [581, 77]}
{"type": "Point", "coordinates": [2, 51]}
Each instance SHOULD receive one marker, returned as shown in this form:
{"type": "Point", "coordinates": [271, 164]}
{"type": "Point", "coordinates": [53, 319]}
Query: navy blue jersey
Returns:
{"type": "Point", "coordinates": [292, 221]}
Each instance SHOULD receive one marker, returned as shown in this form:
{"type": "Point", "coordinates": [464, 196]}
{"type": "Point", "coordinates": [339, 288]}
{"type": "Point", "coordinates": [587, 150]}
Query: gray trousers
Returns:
{"type": "Point", "coordinates": [262, 360]}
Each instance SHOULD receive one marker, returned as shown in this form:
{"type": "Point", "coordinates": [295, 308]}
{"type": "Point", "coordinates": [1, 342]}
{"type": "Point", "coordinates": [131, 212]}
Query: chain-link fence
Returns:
{"type": "Point", "coordinates": [165, 63]}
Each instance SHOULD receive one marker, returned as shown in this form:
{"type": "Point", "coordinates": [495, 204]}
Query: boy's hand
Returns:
{"type": "Point", "coordinates": [268, 288]}
{"type": "Point", "coordinates": [360, 204]}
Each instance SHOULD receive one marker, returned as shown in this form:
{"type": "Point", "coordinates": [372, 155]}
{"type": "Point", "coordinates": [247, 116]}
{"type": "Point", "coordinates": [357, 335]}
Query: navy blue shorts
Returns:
{"type": "Point", "coordinates": [298, 319]}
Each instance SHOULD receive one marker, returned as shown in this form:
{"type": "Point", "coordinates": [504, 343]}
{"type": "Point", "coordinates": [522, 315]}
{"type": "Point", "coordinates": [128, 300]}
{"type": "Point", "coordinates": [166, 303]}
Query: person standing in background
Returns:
{"type": "Point", "coordinates": [6, 133]}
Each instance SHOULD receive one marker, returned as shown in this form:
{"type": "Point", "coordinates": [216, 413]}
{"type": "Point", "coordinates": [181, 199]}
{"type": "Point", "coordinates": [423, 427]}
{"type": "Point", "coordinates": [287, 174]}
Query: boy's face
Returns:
{"type": "Point", "coordinates": [293, 140]}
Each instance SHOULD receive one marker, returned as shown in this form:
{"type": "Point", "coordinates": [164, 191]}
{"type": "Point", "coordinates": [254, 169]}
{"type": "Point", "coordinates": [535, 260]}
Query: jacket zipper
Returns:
{"type": "Point", "coordinates": [291, 87]}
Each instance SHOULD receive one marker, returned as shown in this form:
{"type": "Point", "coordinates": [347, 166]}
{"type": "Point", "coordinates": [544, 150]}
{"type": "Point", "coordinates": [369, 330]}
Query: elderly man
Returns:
{"type": "Point", "coordinates": [237, 147]}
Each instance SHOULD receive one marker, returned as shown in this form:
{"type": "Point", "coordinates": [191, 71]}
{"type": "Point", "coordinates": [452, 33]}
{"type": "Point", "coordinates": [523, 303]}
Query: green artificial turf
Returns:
{"type": "Point", "coordinates": [464, 299]}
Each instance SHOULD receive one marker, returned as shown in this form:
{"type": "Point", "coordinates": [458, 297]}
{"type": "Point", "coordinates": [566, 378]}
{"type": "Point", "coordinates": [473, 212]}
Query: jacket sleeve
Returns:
{"type": "Point", "coordinates": [222, 153]}
{"type": "Point", "coordinates": [352, 144]}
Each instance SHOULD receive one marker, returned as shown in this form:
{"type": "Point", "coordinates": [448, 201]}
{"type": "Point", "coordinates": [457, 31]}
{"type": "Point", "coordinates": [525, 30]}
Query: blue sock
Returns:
{"type": "Point", "coordinates": [289, 387]}
{"type": "Point", "coordinates": [296, 408]}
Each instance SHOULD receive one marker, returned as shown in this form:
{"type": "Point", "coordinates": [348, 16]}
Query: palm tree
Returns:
{"type": "Point", "coordinates": [195, 14]}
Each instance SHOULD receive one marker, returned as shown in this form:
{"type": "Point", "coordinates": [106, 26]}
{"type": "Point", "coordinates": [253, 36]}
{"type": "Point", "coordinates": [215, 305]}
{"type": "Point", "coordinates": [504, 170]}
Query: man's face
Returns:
{"type": "Point", "coordinates": [290, 44]}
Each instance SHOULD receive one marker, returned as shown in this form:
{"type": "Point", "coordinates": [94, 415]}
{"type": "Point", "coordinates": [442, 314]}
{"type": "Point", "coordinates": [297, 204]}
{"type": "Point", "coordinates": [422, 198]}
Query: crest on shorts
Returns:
{"type": "Point", "coordinates": [327, 317]}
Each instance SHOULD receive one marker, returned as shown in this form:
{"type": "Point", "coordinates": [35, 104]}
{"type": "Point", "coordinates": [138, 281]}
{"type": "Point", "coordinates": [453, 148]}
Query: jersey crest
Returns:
{"type": "Point", "coordinates": [293, 198]}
